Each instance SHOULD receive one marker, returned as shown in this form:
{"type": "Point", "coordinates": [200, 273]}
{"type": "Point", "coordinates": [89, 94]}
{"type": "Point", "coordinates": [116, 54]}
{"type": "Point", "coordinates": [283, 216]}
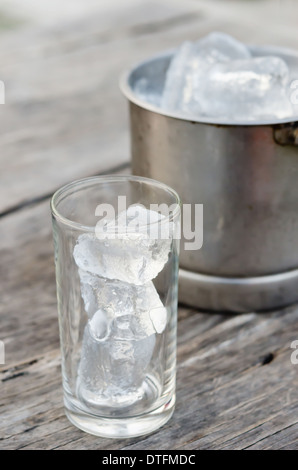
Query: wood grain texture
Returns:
{"type": "Point", "coordinates": [226, 397]}
{"type": "Point", "coordinates": [65, 118]}
{"type": "Point", "coordinates": [63, 103]}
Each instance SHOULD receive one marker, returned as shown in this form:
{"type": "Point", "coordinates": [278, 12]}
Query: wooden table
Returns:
{"type": "Point", "coordinates": [64, 119]}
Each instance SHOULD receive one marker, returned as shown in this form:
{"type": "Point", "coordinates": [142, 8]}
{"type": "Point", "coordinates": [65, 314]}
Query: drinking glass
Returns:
{"type": "Point", "coordinates": [116, 254]}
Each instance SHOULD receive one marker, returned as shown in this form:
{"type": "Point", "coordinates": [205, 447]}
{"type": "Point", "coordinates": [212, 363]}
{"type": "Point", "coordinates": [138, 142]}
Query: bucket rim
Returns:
{"type": "Point", "coordinates": [127, 91]}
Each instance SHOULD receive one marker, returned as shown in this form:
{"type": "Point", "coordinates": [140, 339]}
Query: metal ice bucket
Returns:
{"type": "Point", "coordinates": [245, 175]}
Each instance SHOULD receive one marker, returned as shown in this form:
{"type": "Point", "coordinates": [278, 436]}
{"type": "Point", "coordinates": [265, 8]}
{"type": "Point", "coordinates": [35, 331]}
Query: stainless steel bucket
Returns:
{"type": "Point", "coordinates": [245, 175]}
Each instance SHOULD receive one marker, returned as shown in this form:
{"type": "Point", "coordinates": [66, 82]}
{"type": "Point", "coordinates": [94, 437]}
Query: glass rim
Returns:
{"type": "Point", "coordinates": [110, 179]}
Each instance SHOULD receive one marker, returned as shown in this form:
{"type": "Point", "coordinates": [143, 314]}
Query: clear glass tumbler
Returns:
{"type": "Point", "coordinates": [116, 254]}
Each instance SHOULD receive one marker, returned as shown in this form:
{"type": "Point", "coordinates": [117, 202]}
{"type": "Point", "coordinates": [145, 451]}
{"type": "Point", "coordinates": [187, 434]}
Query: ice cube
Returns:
{"type": "Point", "coordinates": [147, 301]}
{"type": "Point", "coordinates": [245, 90]}
{"type": "Point", "coordinates": [132, 251]}
{"type": "Point", "coordinates": [118, 299]}
{"type": "Point", "coordinates": [90, 291]}
{"type": "Point", "coordinates": [178, 85]}
{"type": "Point", "coordinates": [100, 324]}
{"type": "Point", "coordinates": [98, 293]}
{"type": "Point", "coordinates": [112, 371]}
{"type": "Point", "coordinates": [119, 340]}
{"type": "Point", "coordinates": [124, 309]}
{"type": "Point", "coordinates": [159, 317]}
{"type": "Point", "coordinates": [147, 316]}
{"type": "Point", "coordinates": [143, 89]}
{"type": "Point", "coordinates": [139, 222]}
{"type": "Point", "coordinates": [132, 327]}
{"type": "Point", "coordinates": [190, 65]}
{"type": "Point", "coordinates": [221, 47]}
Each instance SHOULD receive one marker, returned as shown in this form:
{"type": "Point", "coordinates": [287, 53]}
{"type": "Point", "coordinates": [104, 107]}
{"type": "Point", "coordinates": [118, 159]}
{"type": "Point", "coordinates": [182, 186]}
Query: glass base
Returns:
{"type": "Point", "coordinates": [123, 427]}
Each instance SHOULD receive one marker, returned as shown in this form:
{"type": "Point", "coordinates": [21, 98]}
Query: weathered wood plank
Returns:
{"type": "Point", "coordinates": [223, 388]}
{"type": "Point", "coordinates": [226, 397]}
{"type": "Point", "coordinates": [283, 439]}
{"type": "Point", "coordinates": [64, 119]}
{"type": "Point", "coordinates": [65, 116]}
